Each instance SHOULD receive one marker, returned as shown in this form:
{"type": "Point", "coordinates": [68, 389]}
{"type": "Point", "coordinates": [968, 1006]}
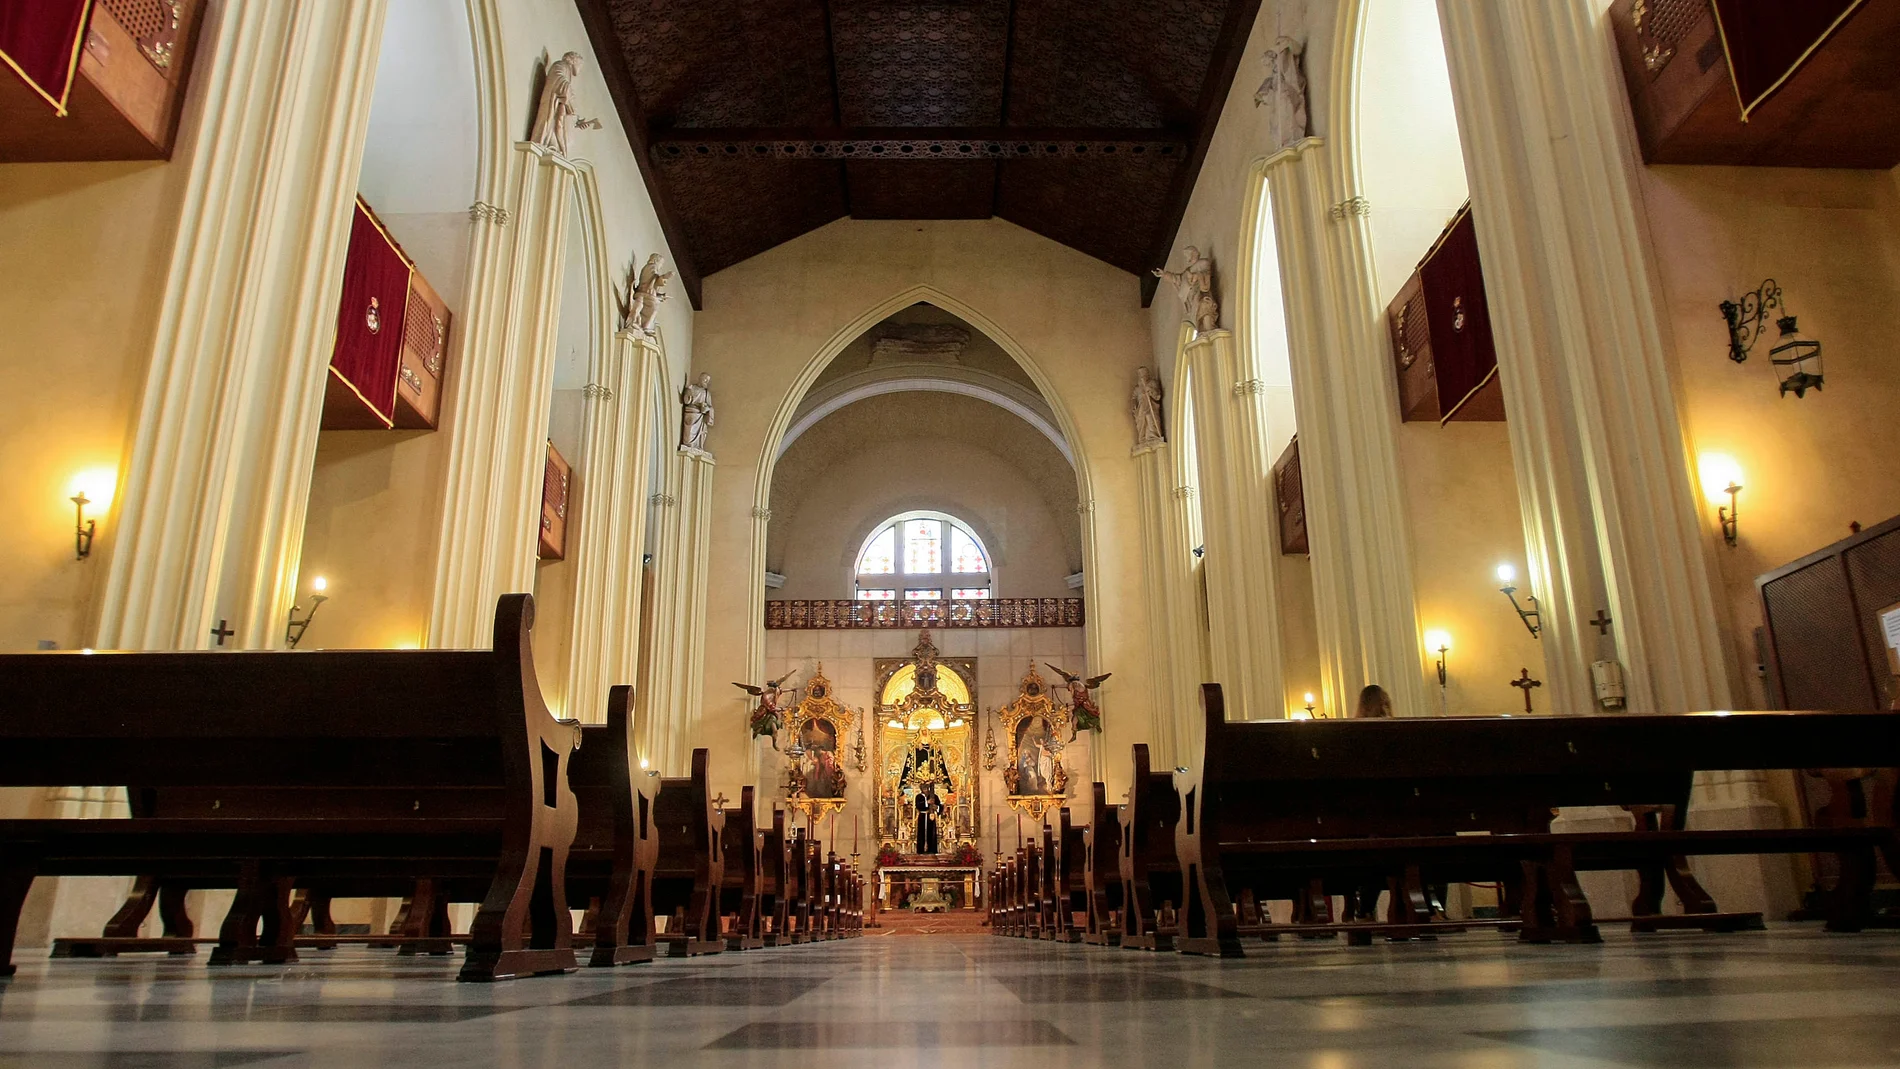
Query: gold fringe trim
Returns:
{"type": "Point", "coordinates": [72, 64]}
{"type": "Point", "coordinates": [1749, 106]}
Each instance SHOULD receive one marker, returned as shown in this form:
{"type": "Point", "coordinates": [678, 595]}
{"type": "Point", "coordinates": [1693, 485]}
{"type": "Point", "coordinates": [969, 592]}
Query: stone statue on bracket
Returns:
{"type": "Point", "coordinates": [696, 413]}
{"type": "Point", "coordinates": [1284, 92]}
{"type": "Point", "coordinates": [555, 116]}
{"type": "Point", "coordinates": [1194, 284]}
{"type": "Point", "coordinates": [1147, 404]}
{"type": "Point", "coordinates": [645, 291]}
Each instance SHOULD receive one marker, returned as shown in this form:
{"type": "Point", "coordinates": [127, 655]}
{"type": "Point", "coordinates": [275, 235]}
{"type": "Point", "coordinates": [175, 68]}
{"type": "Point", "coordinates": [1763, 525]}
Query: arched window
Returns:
{"type": "Point", "coordinates": [922, 556]}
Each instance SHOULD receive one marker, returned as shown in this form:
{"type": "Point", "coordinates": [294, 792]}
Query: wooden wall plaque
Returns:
{"type": "Point", "coordinates": [1439, 324]}
{"type": "Point", "coordinates": [1289, 495]}
{"type": "Point", "coordinates": [557, 488]}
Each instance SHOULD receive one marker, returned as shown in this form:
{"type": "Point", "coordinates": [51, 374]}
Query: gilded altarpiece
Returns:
{"type": "Point", "coordinates": [926, 742]}
{"type": "Point", "coordinates": [1034, 726]}
{"type": "Point", "coordinates": [817, 727]}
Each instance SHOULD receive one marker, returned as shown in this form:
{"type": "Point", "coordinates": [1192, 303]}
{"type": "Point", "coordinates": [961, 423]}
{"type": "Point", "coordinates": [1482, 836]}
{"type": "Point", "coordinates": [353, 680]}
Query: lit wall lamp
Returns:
{"type": "Point", "coordinates": [1722, 477]}
{"type": "Point", "coordinates": [1796, 359]}
{"type": "Point", "coordinates": [92, 487]}
{"type": "Point", "coordinates": [293, 631]}
{"type": "Point", "coordinates": [1309, 705]}
{"type": "Point", "coordinates": [1533, 622]}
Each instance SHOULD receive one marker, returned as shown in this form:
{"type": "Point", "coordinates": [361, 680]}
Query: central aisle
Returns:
{"type": "Point", "coordinates": [1781, 998]}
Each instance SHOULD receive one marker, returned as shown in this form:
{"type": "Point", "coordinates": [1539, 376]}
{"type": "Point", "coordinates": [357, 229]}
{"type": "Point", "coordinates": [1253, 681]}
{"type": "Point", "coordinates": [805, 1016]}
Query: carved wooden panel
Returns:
{"type": "Point", "coordinates": [557, 485]}
{"type": "Point", "coordinates": [1289, 495]}
{"type": "Point", "coordinates": [1823, 649]}
{"type": "Point", "coordinates": [126, 97]}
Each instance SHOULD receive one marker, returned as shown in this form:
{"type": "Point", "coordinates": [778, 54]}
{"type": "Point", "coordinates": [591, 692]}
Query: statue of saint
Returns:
{"type": "Point", "coordinates": [929, 809]}
{"type": "Point", "coordinates": [1284, 92]}
{"type": "Point", "coordinates": [644, 297]}
{"type": "Point", "coordinates": [696, 415]}
{"type": "Point", "coordinates": [555, 115]}
{"type": "Point", "coordinates": [1147, 409]}
{"type": "Point", "coordinates": [1194, 284]}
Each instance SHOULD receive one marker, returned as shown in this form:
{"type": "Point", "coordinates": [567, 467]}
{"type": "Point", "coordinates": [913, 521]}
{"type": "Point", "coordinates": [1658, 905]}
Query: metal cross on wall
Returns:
{"type": "Point", "coordinates": [222, 632]}
{"type": "Point", "coordinates": [1524, 682]}
{"type": "Point", "coordinates": [1601, 623]}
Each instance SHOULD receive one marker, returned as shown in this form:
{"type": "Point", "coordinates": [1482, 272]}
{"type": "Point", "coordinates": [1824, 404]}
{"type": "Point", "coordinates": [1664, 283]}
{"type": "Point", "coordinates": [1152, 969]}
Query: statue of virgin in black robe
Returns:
{"type": "Point", "coordinates": [929, 807]}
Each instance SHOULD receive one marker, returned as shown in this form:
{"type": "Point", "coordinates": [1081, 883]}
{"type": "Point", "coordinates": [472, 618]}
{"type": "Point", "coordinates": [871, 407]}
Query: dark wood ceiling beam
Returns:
{"type": "Point", "coordinates": [1107, 135]}
{"type": "Point", "coordinates": [613, 70]}
{"type": "Point", "coordinates": [1220, 78]}
{"type": "Point", "coordinates": [1009, 59]}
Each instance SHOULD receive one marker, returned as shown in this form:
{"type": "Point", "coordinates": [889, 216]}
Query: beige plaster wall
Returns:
{"type": "Point", "coordinates": [1813, 465]}
{"type": "Point", "coordinates": [84, 249]}
{"type": "Point", "coordinates": [983, 489]}
{"type": "Point", "coordinates": [768, 321]}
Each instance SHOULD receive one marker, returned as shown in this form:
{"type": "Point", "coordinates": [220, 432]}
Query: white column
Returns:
{"type": "Point", "coordinates": [671, 683]}
{"type": "Point", "coordinates": [1176, 632]}
{"type": "Point", "coordinates": [1345, 397]}
{"type": "Point", "coordinates": [219, 470]}
{"type": "Point", "coordinates": [604, 637]}
{"type": "Point", "coordinates": [497, 417]}
{"type": "Point", "coordinates": [1611, 515]}
{"type": "Point", "coordinates": [1237, 518]}
{"type": "Point", "coordinates": [1575, 306]}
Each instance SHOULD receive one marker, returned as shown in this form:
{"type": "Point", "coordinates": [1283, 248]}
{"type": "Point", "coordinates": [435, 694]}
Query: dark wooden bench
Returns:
{"type": "Point", "coordinates": [1279, 804]}
{"type": "Point", "coordinates": [742, 866]}
{"type": "Point", "coordinates": [1150, 870]}
{"type": "Point", "coordinates": [610, 866]}
{"type": "Point", "coordinates": [254, 770]}
{"type": "Point", "coordinates": [1065, 880]}
{"type": "Point", "coordinates": [689, 864]}
{"type": "Point", "coordinates": [776, 880]}
{"type": "Point", "coordinates": [1102, 876]}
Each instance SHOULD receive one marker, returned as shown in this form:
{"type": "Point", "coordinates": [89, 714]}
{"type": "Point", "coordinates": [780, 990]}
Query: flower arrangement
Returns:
{"type": "Point", "coordinates": [968, 854]}
{"type": "Point", "coordinates": [887, 855]}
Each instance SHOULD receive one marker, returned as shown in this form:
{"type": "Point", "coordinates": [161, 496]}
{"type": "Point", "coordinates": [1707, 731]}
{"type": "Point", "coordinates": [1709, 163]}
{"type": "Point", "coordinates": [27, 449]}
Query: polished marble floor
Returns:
{"type": "Point", "coordinates": [1788, 997]}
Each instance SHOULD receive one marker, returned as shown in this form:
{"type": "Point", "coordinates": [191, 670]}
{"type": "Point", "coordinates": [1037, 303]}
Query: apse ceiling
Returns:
{"type": "Point", "coordinates": [755, 121]}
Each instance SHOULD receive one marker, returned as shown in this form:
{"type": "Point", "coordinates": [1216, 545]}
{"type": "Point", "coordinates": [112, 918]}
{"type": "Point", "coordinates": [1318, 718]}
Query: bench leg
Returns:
{"type": "Point", "coordinates": [1851, 905]}
{"type": "Point", "coordinates": [174, 918]}
{"type": "Point", "coordinates": [1555, 908]}
{"type": "Point", "coordinates": [262, 896]}
{"type": "Point", "coordinates": [125, 924]}
{"type": "Point", "coordinates": [16, 879]}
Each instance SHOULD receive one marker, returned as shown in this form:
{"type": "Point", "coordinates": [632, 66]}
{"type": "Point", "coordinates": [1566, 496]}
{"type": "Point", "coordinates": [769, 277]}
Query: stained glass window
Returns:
{"type": "Point", "coordinates": [923, 547]}
{"type": "Point", "coordinates": [880, 558]}
{"type": "Point", "coordinates": [965, 556]}
{"type": "Point", "coordinates": [925, 539]}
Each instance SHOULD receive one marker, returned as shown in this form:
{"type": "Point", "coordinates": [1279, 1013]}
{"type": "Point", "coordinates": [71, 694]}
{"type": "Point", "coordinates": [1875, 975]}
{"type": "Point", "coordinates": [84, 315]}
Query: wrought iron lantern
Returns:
{"type": "Point", "coordinates": [1796, 359]}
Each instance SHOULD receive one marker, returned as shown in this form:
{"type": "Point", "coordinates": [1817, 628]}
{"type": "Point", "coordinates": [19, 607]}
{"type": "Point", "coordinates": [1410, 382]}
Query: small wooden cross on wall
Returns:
{"type": "Point", "coordinates": [1602, 622]}
{"type": "Point", "coordinates": [1524, 682]}
{"type": "Point", "coordinates": [222, 632]}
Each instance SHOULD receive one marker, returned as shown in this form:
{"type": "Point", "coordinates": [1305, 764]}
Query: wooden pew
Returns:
{"type": "Point", "coordinates": [689, 866]}
{"type": "Point", "coordinates": [1068, 877]}
{"type": "Point", "coordinates": [775, 882]}
{"type": "Point", "coordinates": [258, 769]}
{"type": "Point", "coordinates": [800, 925]}
{"type": "Point", "coordinates": [1102, 873]}
{"type": "Point", "coordinates": [742, 868]}
{"type": "Point", "coordinates": [1277, 804]}
{"type": "Point", "coordinates": [1150, 870]}
{"type": "Point", "coordinates": [1046, 912]}
{"type": "Point", "coordinates": [610, 867]}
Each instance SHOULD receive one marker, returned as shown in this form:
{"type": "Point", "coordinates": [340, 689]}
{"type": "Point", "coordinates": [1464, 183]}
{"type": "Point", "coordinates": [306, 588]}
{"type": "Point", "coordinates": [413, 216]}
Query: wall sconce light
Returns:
{"type": "Point", "coordinates": [92, 487]}
{"type": "Point", "coordinates": [1533, 622]}
{"type": "Point", "coordinates": [293, 631]}
{"type": "Point", "coordinates": [1309, 705]}
{"type": "Point", "coordinates": [1722, 477]}
{"type": "Point", "coordinates": [1796, 359]}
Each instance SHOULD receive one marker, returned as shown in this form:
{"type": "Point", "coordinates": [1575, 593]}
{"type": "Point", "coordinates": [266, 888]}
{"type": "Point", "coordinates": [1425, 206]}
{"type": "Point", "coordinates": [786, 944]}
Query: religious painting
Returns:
{"type": "Point", "coordinates": [815, 779]}
{"type": "Point", "coordinates": [1035, 728]}
{"type": "Point", "coordinates": [926, 790]}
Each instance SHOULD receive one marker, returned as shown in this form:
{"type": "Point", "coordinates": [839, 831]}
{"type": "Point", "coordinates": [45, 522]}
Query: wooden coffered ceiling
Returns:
{"type": "Point", "coordinates": [755, 121]}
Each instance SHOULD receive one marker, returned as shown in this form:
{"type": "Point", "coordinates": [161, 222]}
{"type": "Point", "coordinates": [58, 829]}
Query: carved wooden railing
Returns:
{"type": "Point", "coordinates": [988, 612]}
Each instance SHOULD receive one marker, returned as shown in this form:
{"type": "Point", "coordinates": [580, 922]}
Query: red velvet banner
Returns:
{"type": "Point", "coordinates": [369, 317]}
{"type": "Point", "coordinates": [40, 40]}
{"type": "Point", "coordinates": [1768, 40]}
